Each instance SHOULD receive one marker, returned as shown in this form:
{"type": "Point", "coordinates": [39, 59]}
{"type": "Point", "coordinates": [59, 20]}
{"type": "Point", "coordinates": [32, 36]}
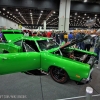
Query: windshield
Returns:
{"type": "Point", "coordinates": [47, 44]}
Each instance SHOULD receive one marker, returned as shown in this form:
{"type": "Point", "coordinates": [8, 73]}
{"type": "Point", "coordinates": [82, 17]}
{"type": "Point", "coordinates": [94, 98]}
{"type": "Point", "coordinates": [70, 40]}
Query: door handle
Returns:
{"type": "Point", "coordinates": [4, 58]}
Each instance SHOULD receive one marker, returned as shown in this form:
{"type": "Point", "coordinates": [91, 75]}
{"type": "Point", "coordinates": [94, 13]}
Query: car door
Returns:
{"type": "Point", "coordinates": [18, 62]}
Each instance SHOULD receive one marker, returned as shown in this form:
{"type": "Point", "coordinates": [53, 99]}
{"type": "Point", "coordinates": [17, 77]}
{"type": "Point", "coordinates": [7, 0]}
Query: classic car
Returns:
{"type": "Point", "coordinates": [40, 53]}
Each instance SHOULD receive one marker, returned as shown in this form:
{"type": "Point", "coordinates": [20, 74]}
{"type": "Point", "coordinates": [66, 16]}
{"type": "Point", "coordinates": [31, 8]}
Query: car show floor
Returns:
{"type": "Point", "coordinates": [20, 86]}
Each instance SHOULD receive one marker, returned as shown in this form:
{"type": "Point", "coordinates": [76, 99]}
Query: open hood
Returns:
{"type": "Point", "coordinates": [10, 37]}
{"type": "Point", "coordinates": [68, 44]}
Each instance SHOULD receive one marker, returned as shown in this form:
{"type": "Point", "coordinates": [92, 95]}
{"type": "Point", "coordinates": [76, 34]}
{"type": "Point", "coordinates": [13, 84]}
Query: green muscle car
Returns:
{"type": "Point", "coordinates": [40, 53]}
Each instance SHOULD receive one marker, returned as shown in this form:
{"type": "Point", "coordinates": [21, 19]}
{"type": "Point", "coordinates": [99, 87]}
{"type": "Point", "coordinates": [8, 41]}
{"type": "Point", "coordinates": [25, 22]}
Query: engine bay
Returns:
{"type": "Point", "coordinates": [77, 55]}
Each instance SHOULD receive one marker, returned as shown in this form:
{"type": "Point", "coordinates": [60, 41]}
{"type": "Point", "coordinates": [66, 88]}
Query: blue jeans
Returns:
{"type": "Point", "coordinates": [80, 45]}
{"type": "Point", "coordinates": [97, 51]}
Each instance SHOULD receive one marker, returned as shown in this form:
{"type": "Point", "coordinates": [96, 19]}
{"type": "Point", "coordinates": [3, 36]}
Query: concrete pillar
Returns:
{"type": "Point", "coordinates": [64, 15]}
{"type": "Point", "coordinates": [40, 28]}
{"type": "Point", "coordinates": [67, 19]}
{"type": "Point", "coordinates": [44, 25]}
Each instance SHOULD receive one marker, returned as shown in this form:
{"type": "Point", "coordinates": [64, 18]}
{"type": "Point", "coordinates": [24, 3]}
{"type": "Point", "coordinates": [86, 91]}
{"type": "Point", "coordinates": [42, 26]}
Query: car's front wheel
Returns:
{"type": "Point", "coordinates": [59, 75]}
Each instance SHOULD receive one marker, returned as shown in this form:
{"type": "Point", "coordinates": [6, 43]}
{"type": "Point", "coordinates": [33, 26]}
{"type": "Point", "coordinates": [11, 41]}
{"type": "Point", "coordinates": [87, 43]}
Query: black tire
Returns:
{"type": "Point", "coordinates": [59, 75]}
{"type": "Point", "coordinates": [5, 51]}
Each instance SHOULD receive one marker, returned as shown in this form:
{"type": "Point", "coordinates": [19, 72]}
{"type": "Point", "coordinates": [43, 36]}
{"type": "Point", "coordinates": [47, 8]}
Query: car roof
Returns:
{"type": "Point", "coordinates": [35, 38]}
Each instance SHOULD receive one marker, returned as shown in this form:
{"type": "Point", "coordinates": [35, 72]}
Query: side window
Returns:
{"type": "Point", "coordinates": [32, 44]}
{"type": "Point", "coordinates": [18, 43]}
{"type": "Point", "coordinates": [27, 48]}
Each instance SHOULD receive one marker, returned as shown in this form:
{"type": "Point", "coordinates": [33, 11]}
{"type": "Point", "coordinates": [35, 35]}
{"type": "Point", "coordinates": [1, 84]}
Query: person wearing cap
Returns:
{"type": "Point", "coordinates": [97, 45]}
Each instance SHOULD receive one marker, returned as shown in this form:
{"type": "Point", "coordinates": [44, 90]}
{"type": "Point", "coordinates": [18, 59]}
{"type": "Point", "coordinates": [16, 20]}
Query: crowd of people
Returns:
{"type": "Point", "coordinates": [64, 37]}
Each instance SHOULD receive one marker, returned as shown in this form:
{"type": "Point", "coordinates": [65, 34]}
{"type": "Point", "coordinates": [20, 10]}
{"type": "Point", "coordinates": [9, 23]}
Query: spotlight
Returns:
{"type": "Point", "coordinates": [16, 9]}
{"type": "Point", "coordinates": [4, 9]}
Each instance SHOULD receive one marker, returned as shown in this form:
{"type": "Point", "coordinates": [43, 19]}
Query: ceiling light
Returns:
{"type": "Point", "coordinates": [75, 13]}
{"type": "Point", "coordinates": [42, 11]}
{"type": "Point", "coordinates": [85, 14]}
{"type": "Point", "coordinates": [85, 0]}
{"type": "Point", "coordinates": [4, 9]}
{"type": "Point", "coordinates": [0, 11]}
{"type": "Point", "coordinates": [16, 9]}
{"type": "Point", "coordinates": [40, 14]}
{"type": "Point", "coordinates": [31, 15]}
{"type": "Point", "coordinates": [95, 15]}
{"type": "Point", "coordinates": [83, 18]}
{"type": "Point", "coordinates": [8, 12]}
{"type": "Point", "coordinates": [54, 12]}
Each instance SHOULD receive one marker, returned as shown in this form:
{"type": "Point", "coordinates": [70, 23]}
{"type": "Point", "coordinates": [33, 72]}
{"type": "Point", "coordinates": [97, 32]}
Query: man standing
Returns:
{"type": "Point", "coordinates": [61, 37]}
{"type": "Point", "coordinates": [97, 45]}
{"type": "Point", "coordinates": [65, 37]}
{"type": "Point", "coordinates": [80, 45]}
{"type": "Point", "coordinates": [87, 42]}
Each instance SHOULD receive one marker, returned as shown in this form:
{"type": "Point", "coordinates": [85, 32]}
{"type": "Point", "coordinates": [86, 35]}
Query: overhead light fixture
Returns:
{"type": "Point", "coordinates": [42, 11]}
{"type": "Point", "coordinates": [19, 12]}
{"type": "Point", "coordinates": [85, 14]}
{"type": "Point", "coordinates": [54, 12]}
{"type": "Point", "coordinates": [8, 12]}
{"type": "Point", "coordinates": [85, 0]}
{"type": "Point", "coordinates": [75, 13]}
{"type": "Point", "coordinates": [4, 9]}
{"type": "Point", "coordinates": [95, 15]}
{"type": "Point", "coordinates": [83, 18]}
{"type": "Point", "coordinates": [16, 9]}
{"type": "Point", "coordinates": [40, 14]}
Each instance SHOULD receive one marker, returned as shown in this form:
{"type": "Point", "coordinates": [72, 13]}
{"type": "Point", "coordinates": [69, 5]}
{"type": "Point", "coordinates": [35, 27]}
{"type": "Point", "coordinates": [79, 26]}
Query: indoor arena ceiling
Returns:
{"type": "Point", "coordinates": [32, 18]}
{"type": "Point", "coordinates": [91, 1]}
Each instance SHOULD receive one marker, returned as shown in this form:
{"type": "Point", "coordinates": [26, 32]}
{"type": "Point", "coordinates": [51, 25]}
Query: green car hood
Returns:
{"type": "Point", "coordinates": [10, 37]}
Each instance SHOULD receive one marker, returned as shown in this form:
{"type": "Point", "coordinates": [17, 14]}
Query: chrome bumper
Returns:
{"type": "Point", "coordinates": [86, 80]}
